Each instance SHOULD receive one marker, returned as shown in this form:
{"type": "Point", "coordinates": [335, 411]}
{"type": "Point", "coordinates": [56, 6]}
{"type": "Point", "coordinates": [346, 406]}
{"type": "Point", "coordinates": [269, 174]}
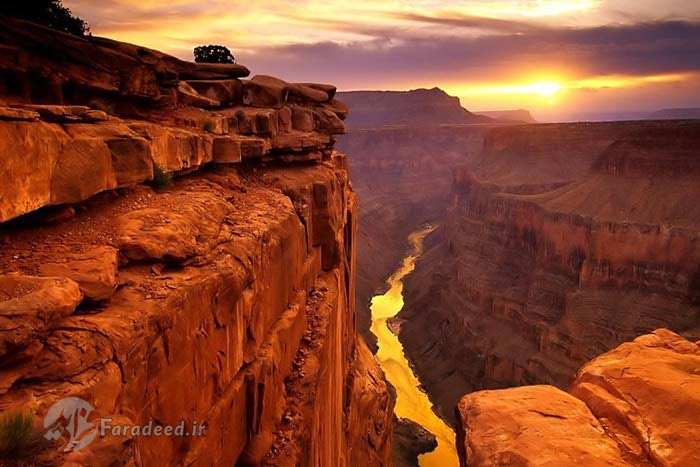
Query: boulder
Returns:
{"type": "Point", "coordinates": [95, 271]}
{"type": "Point", "coordinates": [307, 93]}
{"type": "Point", "coordinates": [30, 306]}
{"type": "Point", "coordinates": [227, 92]}
{"type": "Point", "coordinates": [186, 95]}
{"type": "Point", "coordinates": [340, 109]}
{"type": "Point", "coordinates": [327, 88]}
{"type": "Point", "coordinates": [647, 393]}
{"type": "Point", "coordinates": [265, 91]}
{"type": "Point", "coordinates": [531, 425]}
{"type": "Point", "coordinates": [329, 122]}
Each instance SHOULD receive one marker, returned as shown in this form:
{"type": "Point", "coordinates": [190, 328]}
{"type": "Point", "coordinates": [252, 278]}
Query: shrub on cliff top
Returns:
{"type": "Point", "coordinates": [213, 54]}
{"type": "Point", "coordinates": [50, 13]}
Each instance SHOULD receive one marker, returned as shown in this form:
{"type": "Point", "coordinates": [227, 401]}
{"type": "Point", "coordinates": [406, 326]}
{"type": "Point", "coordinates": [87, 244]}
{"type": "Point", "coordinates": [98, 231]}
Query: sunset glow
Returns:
{"type": "Point", "coordinates": [551, 56]}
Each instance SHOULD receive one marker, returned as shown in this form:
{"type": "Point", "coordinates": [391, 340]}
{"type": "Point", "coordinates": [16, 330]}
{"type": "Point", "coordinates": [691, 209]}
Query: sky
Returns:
{"type": "Point", "coordinates": [562, 60]}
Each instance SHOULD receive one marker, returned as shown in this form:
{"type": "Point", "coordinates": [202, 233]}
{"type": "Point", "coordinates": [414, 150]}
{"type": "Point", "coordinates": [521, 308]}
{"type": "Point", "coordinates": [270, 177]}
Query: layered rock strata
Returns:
{"type": "Point", "coordinates": [561, 242]}
{"type": "Point", "coordinates": [637, 405]}
{"type": "Point", "coordinates": [178, 245]}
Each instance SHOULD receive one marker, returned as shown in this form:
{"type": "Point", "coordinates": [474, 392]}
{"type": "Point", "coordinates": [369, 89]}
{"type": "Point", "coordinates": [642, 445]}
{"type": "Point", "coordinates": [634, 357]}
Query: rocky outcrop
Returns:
{"type": "Point", "coordinates": [636, 405]}
{"type": "Point", "coordinates": [177, 247]}
{"type": "Point", "coordinates": [558, 246]}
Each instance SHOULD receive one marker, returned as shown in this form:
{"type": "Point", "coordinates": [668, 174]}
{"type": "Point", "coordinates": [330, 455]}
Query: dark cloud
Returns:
{"type": "Point", "coordinates": [636, 49]}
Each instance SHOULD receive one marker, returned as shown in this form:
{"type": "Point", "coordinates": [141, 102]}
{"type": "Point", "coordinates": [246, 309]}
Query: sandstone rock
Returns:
{"type": "Point", "coordinates": [188, 96]}
{"type": "Point", "coordinates": [284, 120]}
{"type": "Point", "coordinates": [227, 149]}
{"type": "Point", "coordinates": [186, 230]}
{"type": "Point", "coordinates": [95, 271]}
{"type": "Point", "coordinates": [329, 122]}
{"type": "Point", "coordinates": [308, 93]}
{"type": "Point", "coordinates": [175, 149]}
{"type": "Point", "coordinates": [9, 113]}
{"type": "Point", "coordinates": [262, 122]}
{"type": "Point", "coordinates": [227, 92]}
{"type": "Point", "coordinates": [227, 70]}
{"type": "Point", "coordinates": [57, 113]}
{"type": "Point", "coordinates": [531, 425]}
{"type": "Point", "coordinates": [327, 88]}
{"type": "Point", "coordinates": [646, 393]}
{"type": "Point", "coordinates": [302, 118]}
{"type": "Point", "coordinates": [340, 109]}
{"type": "Point", "coordinates": [30, 306]}
{"type": "Point", "coordinates": [265, 91]}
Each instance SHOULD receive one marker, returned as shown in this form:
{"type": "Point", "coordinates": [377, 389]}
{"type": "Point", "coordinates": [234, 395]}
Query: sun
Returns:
{"type": "Point", "coordinates": [545, 88]}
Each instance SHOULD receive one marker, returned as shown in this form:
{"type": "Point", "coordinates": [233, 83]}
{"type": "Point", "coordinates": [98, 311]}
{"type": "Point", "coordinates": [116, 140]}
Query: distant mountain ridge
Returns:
{"type": "Point", "coordinates": [690, 113]}
{"type": "Point", "coordinates": [415, 107]}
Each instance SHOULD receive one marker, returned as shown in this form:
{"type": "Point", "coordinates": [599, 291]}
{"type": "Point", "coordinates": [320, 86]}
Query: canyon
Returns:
{"type": "Point", "coordinates": [561, 242]}
{"type": "Point", "coordinates": [312, 275]}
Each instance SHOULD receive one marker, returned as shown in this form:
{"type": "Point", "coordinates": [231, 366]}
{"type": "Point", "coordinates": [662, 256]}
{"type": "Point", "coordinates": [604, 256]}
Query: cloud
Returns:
{"type": "Point", "coordinates": [644, 48]}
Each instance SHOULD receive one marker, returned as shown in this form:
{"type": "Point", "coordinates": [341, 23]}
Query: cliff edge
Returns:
{"type": "Point", "coordinates": [178, 247]}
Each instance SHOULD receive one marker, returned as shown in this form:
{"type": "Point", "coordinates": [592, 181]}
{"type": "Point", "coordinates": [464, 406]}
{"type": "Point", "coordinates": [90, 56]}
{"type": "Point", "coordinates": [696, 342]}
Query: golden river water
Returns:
{"type": "Point", "coordinates": [411, 401]}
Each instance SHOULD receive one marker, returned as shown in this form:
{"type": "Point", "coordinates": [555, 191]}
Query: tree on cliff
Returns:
{"type": "Point", "coordinates": [213, 54]}
{"type": "Point", "coordinates": [50, 13]}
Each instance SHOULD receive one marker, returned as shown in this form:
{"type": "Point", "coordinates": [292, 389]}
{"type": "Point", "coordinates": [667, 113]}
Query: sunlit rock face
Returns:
{"type": "Point", "coordinates": [561, 242]}
{"type": "Point", "coordinates": [636, 405]}
{"type": "Point", "coordinates": [179, 245]}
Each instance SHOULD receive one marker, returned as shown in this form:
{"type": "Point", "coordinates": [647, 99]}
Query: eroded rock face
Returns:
{"type": "Point", "coordinates": [636, 405]}
{"type": "Point", "coordinates": [170, 253]}
{"type": "Point", "coordinates": [561, 242]}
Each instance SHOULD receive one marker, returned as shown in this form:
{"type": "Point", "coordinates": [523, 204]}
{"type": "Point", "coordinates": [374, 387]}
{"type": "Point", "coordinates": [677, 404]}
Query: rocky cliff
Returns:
{"type": "Point", "coordinates": [637, 405]}
{"type": "Point", "coordinates": [178, 246]}
{"type": "Point", "coordinates": [561, 242]}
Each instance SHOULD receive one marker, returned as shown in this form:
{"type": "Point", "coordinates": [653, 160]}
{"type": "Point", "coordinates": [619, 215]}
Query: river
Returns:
{"type": "Point", "coordinates": [411, 401]}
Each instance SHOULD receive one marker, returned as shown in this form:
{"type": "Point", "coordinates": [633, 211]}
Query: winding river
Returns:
{"type": "Point", "coordinates": [411, 401]}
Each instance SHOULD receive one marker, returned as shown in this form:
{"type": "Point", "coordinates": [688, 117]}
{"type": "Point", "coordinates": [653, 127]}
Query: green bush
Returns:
{"type": "Point", "coordinates": [16, 434]}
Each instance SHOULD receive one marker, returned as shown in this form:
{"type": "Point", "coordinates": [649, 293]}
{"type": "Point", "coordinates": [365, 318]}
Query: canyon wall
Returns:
{"type": "Point", "coordinates": [561, 242]}
{"type": "Point", "coordinates": [178, 245]}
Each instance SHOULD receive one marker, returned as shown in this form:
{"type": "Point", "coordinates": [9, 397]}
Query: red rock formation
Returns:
{"type": "Point", "coordinates": [637, 405]}
{"type": "Point", "coordinates": [562, 242]}
{"type": "Point", "coordinates": [187, 256]}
